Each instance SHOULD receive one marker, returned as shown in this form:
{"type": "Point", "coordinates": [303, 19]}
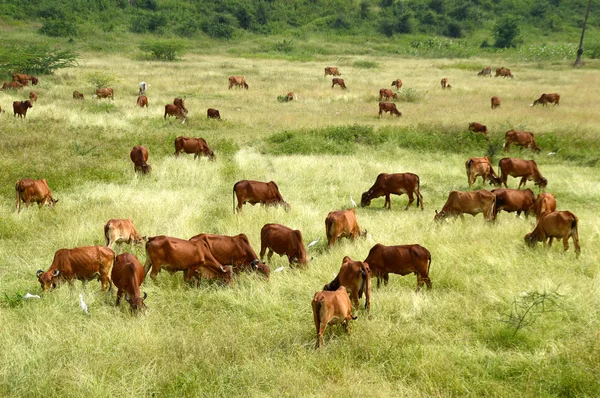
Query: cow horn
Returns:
{"type": "Point", "coordinates": [39, 272]}
{"type": "Point", "coordinates": [295, 259]}
{"type": "Point", "coordinates": [255, 263]}
{"type": "Point", "coordinates": [145, 295]}
{"type": "Point", "coordinates": [222, 269]}
{"type": "Point", "coordinates": [56, 272]}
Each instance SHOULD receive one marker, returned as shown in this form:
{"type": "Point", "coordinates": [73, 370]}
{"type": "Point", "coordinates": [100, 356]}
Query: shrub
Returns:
{"type": "Point", "coordinates": [167, 50]}
{"type": "Point", "coordinates": [507, 33]}
{"type": "Point", "coordinates": [221, 26]}
{"type": "Point", "coordinates": [59, 27]}
{"type": "Point", "coordinates": [35, 59]}
{"type": "Point", "coordinates": [101, 79]}
{"type": "Point", "coordinates": [410, 94]}
{"type": "Point", "coordinates": [365, 64]}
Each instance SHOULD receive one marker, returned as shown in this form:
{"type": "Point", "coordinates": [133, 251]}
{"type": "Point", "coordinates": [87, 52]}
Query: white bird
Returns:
{"type": "Point", "coordinates": [551, 153]}
{"type": "Point", "coordinates": [279, 269]}
{"type": "Point", "coordinates": [370, 237]}
{"type": "Point", "coordinates": [352, 200]}
{"type": "Point", "coordinates": [30, 296]}
{"type": "Point", "coordinates": [314, 242]}
{"type": "Point", "coordinates": [82, 304]}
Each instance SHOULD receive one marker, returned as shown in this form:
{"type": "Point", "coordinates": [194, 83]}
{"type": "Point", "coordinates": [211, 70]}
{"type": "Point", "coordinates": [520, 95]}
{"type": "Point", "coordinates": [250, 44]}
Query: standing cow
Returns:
{"type": "Point", "coordinates": [496, 102]}
{"type": "Point", "coordinates": [37, 191]}
{"type": "Point", "coordinates": [139, 157]}
{"type": "Point", "coordinates": [402, 260]}
{"type": "Point", "coordinates": [253, 192]}
{"type": "Point", "coordinates": [355, 276]}
{"type": "Point", "coordinates": [520, 138]}
{"type": "Point", "coordinates": [544, 203]}
{"type": "Point", "coordinates": [330, 70]}
{"type": "Point", "coordinates": [472, 203]}
{"type": "Point", "coordinates": [330, 308]}
{"type": "Point", "coordinates": [526, 169]}
{"type": "Point", "coordinates": [238, 81]}
{"type": "Point", "coordinates": [558, 224]}
{"type": "Point", "coordinates": [342, 224]}
{"type": "Point", "coordinates": [397, 184]}
{"type": "Point", "coordinates": [118, 231]}
{"type": "Point", "coordinates": [128, 275]}
{"type": "Point", "coordinates": [197, 146]}
{"type": "Point", "coordinates": [481, 167]}
{"type": "Point", "coordinates": [277, 238]}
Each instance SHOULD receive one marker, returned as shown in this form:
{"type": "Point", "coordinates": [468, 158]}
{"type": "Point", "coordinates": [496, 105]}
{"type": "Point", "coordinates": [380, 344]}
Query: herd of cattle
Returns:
{"type": "Point", "coordinates": [212, 256]}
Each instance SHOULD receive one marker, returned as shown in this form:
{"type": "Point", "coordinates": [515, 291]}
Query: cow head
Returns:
{"type": "Point", "coordinates": [27, 104]}
{"type": "Point", "coordinates": [47, 279]}
{"type": "Point", "coordinates": [246, 85]}
{"type": "Point", "coordinates": [531, 240]}
{"type": "Point", "coordinates": [536, 148]}
{"type": "Point", "coordinates": [495, 181]}
{"type": "Point", "coordinates": [211, 156]}
{"type": "Point", "coordinates": [261, 267]}
{"type": "Point", "coordinates": [34, 80]}
{"type": "Point", "coordinates": [137, 304]}
{"type": "Point", "coordinates": [146, 168]}
{"type": "Point", "coordinates": [440, 216]}
{"type": "Point", "coordinates": [542, 183]}
{"type": "Point", "coordinates": [365, 200]}
{"type": "Point", "coordinates": [140, 240]}
{"type": "Point", "coordinates": [286, 206]}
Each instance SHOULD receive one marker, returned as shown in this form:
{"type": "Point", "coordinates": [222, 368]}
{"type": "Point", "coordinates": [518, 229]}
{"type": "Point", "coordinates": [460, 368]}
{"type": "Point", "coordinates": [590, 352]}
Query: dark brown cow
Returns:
{"type": "Point", "coordinates": [526, 169]}
{"type": "Point", "coordinates": [355, 276]}
{"type": "Point", "coordinates": [142, 101]}
{"type": "Point", "coordinates": [444, 83]}
{"type": "Point", "coordinates": [397, 184]}
{"type": "Point", "coordinates": [139, 157]}
{"type": "Point", "coordinates": [487, 71]}
{"type": "Point", "coordinates": [253, 192]}
{"type": "Point", "coordinates": [544, 203]}
{"type": "Point", "coordinates": [33, 96]}
{"type": "Point", "coordinates": [128, 275]}
{"type": "Point", "coordinates": [83, 263]}
{"type": "Point", "coordinates": [330, 308]}
{"type": "Point", "coordinates": [213, 113]}
{"type": "Point", "coordinates": [481, 167]}
{"type": "Point", "coordinates": [193, 258]}
{"type": "Point", "coordinates": [330, 70]}
{"type": "Point", "coordinates": [339, 82]}
{"type": "Point", "coordinates": [77, 95]}
{"type": "Point", "coordinates": [545, 99]}
{"type": "Point", "coordinates": [283, 241]}
{"type": "Point", "coordinates": [105, 93]}
{"type": "Point", "coordinates": [37, 191]}
{"type": "Point", "coordinates": [520, 138]}
{"type": "Point", "coordinates": [174, 110]}
{"type": "Point", "coordinates": [180, 102]}
{"type": "Point", "coordinates": [386, 94]}
{"type": "Point", "coordinates": [342, 224]}
{"type": "Point", "coordinates": [24, 79]}
{"type": "Point", "coordinates": [20, 108]}
{"type": "Point", "coordinates": [401, 260]}
{"type": "Point", "coordinates": [239, 81]}
{"type": "Point", "coordinates": [472, 203]}
{"type": "Point", "coordinates": [197, 146]}
{"type": "Point", "coordinates": [397, 83]}
{"type": "Point", "coordinates": [558, 224]}
{"type": "Point", "coordinates": [11, 86]}
{"type": "Point", "coordinates": [389, 107]}
{"type": "Point", "coordinates": [504, 72]}
{"type": "Point", "coordinates": [478, 128]}
{"type": "Point", "coordinates": [119, 231]}
{"type": "Point", "coordinates": [511, 200]}
{"type": "Point", "coordinates": [235, 251]}
{"type": "Point", "coordinates": [496, 102]}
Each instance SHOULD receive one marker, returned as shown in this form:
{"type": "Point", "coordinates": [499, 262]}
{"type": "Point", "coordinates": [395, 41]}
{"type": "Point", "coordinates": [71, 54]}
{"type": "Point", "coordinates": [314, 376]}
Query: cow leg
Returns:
{"type": "Point", "coordinates": [566, 242]}
{"type": "Point", "coordinates": [119, 294]}
{"type": "Point", "coordinates": [550, 242]}
{"type": "Point", "coordinates": [196, 155]}
{"type": "Point", "coordinates": [523, 182]}
{"type": "Point", "coordinates": [322, 328]}
{"type": "Point", "coordinates": [388, 202]}
{"type": "Point", "coordinates": [386, 279]}
{"type": "Point", "coordinates": [428, 282]}
{"type": "Point", "coordinates": [354, 298]}
{"type": "Point", "coordinates": [270, 254]}
{"type": "Point", "coordinates": [420, 283]}
{"type": "Point", "coordinates": [410, 200]}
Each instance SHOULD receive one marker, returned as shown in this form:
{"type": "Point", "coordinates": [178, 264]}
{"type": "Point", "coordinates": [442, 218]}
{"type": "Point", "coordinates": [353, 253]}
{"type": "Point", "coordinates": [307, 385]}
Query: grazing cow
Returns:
{"type": "Point", "coordinates": [253, 192]}
{"type": "Point", "coordinates": [83, 263]}
{"type": "Point", "coordinates": [12, 86]}
{"type": "Point", "coordinates": [105, 93]}
{"type": "Point", "coordinates": [283, 240]}
{"type": "Point", "coordinates": [481, 167]}
{"type": "Point", "coordinates": [143, 87]}
{"type": "Point", "coordinates": [20, 108]}
{"type": "Point", "coordinates": [235, 251]}
{"type": "Point", "coordinates": [397, 83]}
{"type": "Point", "coordinates": [389, 107]}
{"type": "Point", "coordinates": [478, 128]}
{"type": "Point", "coordinates": [330, 308]}
{"type": "Point", "coordinates": [339, 82]}
{"type": "Point", "coordinates": [444, 83]}
{"type": "Point", "coordinates": [558, 224]}
{"type": "Point", "coordinates": [33, 96]}
{"type": "Point", "coordinates": [526, 169]}
{"type": "Point", "coordinates": [520, 138]}
{"type": "Point", "coordinates": [24, 79]}
{"type": "Point", "coordinates": [511, 200]}
{"type": "Point", "coordinates": [139, 157]}
{"type": "Point", "coordinates": [544, 203]}
{"type": "Point", "coordinates": [386, 93]}
{"type": "Point", "coordinates": [197, 146]}
{"type": "Point", "coordinates": [504, 72]}
{"type": "Point", "coordinates": [239, 81]}
{"type": "Point", "coordinates": [180, 102]}
{"type": "Point", "coordinates": [119, 231]}
{"type": "Point", "coordinates": [37, 191]}
{"type": "Point", "coordinates": [472, 203]}
{"type": "Point", "coordinates": [128, 275]}
{"type": "Point", "coordinates": [545, 99]}
{"type": "Point", "coordinates": [213, 113]}
{"type": "Point", "coordinates": [142, 101]}
{"type": "Point", "coordinates": [487, 71]}
{"type": "Point", "coordinates": [496, 102]}
{"type": "Point", "coordinates": [342, 224]}
{"type": "Point", "coordinates": [174, 110]}
{"type": "Point", "coordinates": [355, 276]}
{"type": "Point", "coordinates": [401, 260]}
{"type": "Point", "coordinates": [291, 96]}
{"type": "Point", "coordinates": [397, 184]}
{"type": "Point", "coordinates": [77, 95]}
{"type": "Point", "coordinates": [192, 258]}
{"type": "Point", "coordinates": [330, 70]}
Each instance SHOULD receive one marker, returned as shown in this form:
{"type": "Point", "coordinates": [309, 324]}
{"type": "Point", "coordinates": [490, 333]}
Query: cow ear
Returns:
{"type": "Point", "coordinates": [145, 295]}
{"type": "Point", "coordinates": [56, 272]}
{"type": "Point", "coordinates": [39, 272]}
{"type": "Point", "coordinates": [346, 259]}
{"type": "Point", "coordinates": [436, 212]}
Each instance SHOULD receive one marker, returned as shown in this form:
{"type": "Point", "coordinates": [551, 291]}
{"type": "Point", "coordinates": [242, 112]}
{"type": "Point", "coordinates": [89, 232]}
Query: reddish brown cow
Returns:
{"type": "Point", "coordinates": [253, 192]}
{"type": "Point", "coordinates": [339, 82]}
{"type": "Point", "coordinates": [397, 83]}
{"type": "Point", "coordinates": [444, 83]}
{"type": "Point", "coordinates": [291, 96]}
{"type": "Point", "coordinates": [37, 191]}
{"type": "Point", "coordinates": [83, 263]}
{"type": "Point", "coordinates": [213, 113]}
{"type": "Point", "coordinates": [24, 79]}
{"type": "Point", "coordinates": [174, 110]}
{"type": "Point", "coordinates": [20, 108]}
{"type": "Point", "coordinates": [283, 240]}
{"type": "Point", "coordinates": [520, 138]}
{"type": "Point", "coordinates": [197, 146]}
{"type": "Point", "coordinates": [105, 93]}
{"type": "Point", "coordinates": [389, 107]}
{"type": "Point", "coordinates": [487, 71]}
{"type": "Point", "coordinates": [180, 102]}
{"type": "Point", "coordinates": [511, 200]}
{"type": "Point", "coordinates": [545, 99]}
{"type": "Point", "coordinates": [239, 81]}
{"type": "Point", "coordinates": [342, 224]}
{"type": "Point", "coordinates": [139, 157]}
{"type": "Point", "coordinates": [386, 93]}
{"type": "Point", "coordinates": [526, 169]}
{"type": "Point", "coordinates": [544, 203]}
{"type": "Point", "coordinates": [481, 167]}
{"type": "Point", "coordinates": [330, 70]}
{"type": "Point", "coordinates": [558, 224]}
{"type": "Point", "coordinates": [397, 184]}
{"type": "Point", "coordinates": [330, 308]}
{"type": "Point", "coordinates": [33, 96]}
{"type": "Point", "coordinates": [77, 95]}
{"type": "Point", "coordinates": [119, 231]}
{"type": "Point", "coordinates": [235, 251]}
{"type": "Point", "coordinates": [355, 276]}
{"type": "Point", "coordinates": [472, 203]}
{"type": "Point", "coordinates": [504, 72]}
{"type": "Point", "coordinates": [128, 275]}
{"type": "Point", "coordinates": [11, 86]}
{"type": "Point", "coordinates": [142, 101]}
{"type": "Point", "coordinates": [496, 102]}
{"type": "Point", "coordinates": [401, 260]}
{"type": "Point", "coordinates": [478, 128]}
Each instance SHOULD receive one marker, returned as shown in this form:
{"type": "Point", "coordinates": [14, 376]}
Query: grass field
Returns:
{"type": "Point", "coordinates": [256, 337]}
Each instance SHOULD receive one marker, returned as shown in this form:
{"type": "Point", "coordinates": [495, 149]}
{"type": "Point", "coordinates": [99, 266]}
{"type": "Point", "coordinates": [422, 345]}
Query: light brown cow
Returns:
{"type": "Point", "coordinates": [558, 224]}
{"type": "Point", "coordinates": [397, 83]}
{"type": "Point", "coordinates": [142, 101]}
{"type": "Point", "coordinates": [33, 96]}
{"type": "Point", "coordinates": [177, 112]}
{"type": "Point", "coordinates": [545, 99]}
{"type": "Point", "coordinates": [330, 70]}
{"type": "Point", "coordinates": [253, 192]}
{"type": "Point", "coordinates": [504, 72]}
{"type": "Point", "coordinates": [291, 96]}
{"type": "Point", "coordinates": [444, 83]}
{"type": "Point", "coordinates": [496, 102]}
{"type": "Point", "coordinates": [511, 200]}
{"type": "Point", "coordinates": [355, 276]}
{"type": "Point", "coordinates": [139, 157]}
{"type": "Point", "coordinates": [386, 94]}
{"type": "Point", "coordinates": [105, 93]}
{"type": "Point", "coordinates": [239, 81]}
{"type": "Point", "coordinates": [472, 203]}
{"type": "Point", "coordinates": [481, 167]}
{"type": "Point", "coordinates": [77, 95]}
{"type": "Point", "coordinates": [544, 203]}
{"type": "Point", "coordinates": [20, 108]}
{"type": "Point", "coordinates": [389, 107]}
{"type": "Point", "coordinates": [11, 86]}
{"type": "Point", "coordinates": [526, 169]}
{"type": "Point", "coordinates": [478, 128]}
{"type": "Point", "coordinates": [118, 231]}
{"type": "Point", "coordinates": [197, 146]}
{"type": "Point", "coordinates": [83, 263]}
{"type": "Point", "coordinates": [330, 308]}
{"type": "Point", "coordinates": [342, 224]}
{"type": "Point", "coordinates": [401, 260]}
{"type": "Point", "coordinates": [282, 240]}
{"type": "Point", "coordinates": [397, 184]}
{"type": "Point", "coordinates": [339, 82]}
{"type": "Point", "coordinates": [24, 79]}
{"type": "Point", "coordinates": [212, 113]}
{"type": "Point", "coordinates": [520, 138]}
{"type": "Point", "coordinates": [37, 191]}
{"type": "Point", "coordinates": [487, 71]}
{"type": "Point", "coordinates": [128, 275]}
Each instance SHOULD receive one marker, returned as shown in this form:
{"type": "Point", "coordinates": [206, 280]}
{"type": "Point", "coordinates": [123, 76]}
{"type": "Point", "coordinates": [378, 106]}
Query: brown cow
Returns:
{"type": "Point", "coordinates": [355, 276]}
{"type": "Point", "coordinates": [389, 107]}
{"type": "Point", "coordinates": [239, 81]}
{"type": "Point", "coordinates": [235, 251]}
{"type": "Point", "coordinates": [558, 224]}
{"type": "Point", "coordinates": [174, 110]}
{"type": "Point", "coordinates": [487, 71]}
{"type": "Point", "coordinates": [197, 146]}
{"type": "Point", "coordinates": [180, 102]}
{"type": "Point", "coordinates": [283, 240]}
{"type": "Point", "coordinates": [330, 308]}
{"type": "Point", "coordinates": [128, 275]}
{"type": "Point", "coordinates": [37, 191]}
{"type": "Point", "coordinates": [20, 108]}
{"type": "Point", "coordinates": [83, 263]}
{"type": "Point", "coordinates": [291, 96]}
{"type": "Point", "coordinates": [139, 157]}
{"type": "Point", "coordinates": [24, 79]}
{"type": "Point", "coordinates": [330, 70]}
{"type": "Point", "coordinates": [504, 72]}
{"type": "Point", "coordinates": [444, 83]}
{"type": "Point", "coordinates": [342, 224]}
{"type": "Point", "coordinates": [472, 203]}
{"type": "Point", "coordinates": [213, 113]}
{"type": "Point", "coordinates": [338, 81]}
{"type": "Point", "coordinates": [11, 86]}
{"type": "Point", "coordinates": [547, 98]}
{"type": "Point", "coordinates": [253, 192]}
{"type": "Point", "coordinates": [511, 200]}
{"type": "Point", "coordinates": [142, 101]}
{"type": "Point", "coordinates": [401, 260]}
{"type": "Point", "coordinates": [496, 102]}
{"type": "Point", "coordinates": [478, 128]}
{"type": "Point", "coordinates": [397, 184]}
{"type": "Point", "coordinates": [520, 138]}
{"type": "Point", "coordinates": [105, 93]}
{"type": "Point", "coordinates": [544, 203]}
{"type": "Point", "coordinates": [526, 169]}
{"type": "Point", "coordinates": [481, 167]}
{"type": "Point", "coordinates": [192, 258]}
{"type": "Point", "coordinates": [119, 231]}
{"type": "Point", "coordinates": [397, 83]}
{"type": "Point", "coordinates": [386, 93]}
{"type": "Point", "coordinates": [33, 96]}
{"type": "Point", "coordinates": [77, 95]}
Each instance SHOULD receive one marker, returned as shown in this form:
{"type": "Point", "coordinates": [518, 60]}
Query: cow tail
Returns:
{"type": "Point", "coordinates": [233, 196]}
{"type": "Point", "coordinates": [366, 286]}
{"type": "Point", "coordinates": [18, 197]}
{"type": "Point", "coordinates": [574, 232]}
{"type": "Point", "coordinates": [469, 165]}
{"type": "Point", "coordinates": [106, 231]}
{"type": "Point", "coordinates": [492, 210]}
{"type": "Point", "coordinates": [317, 315]}
{"type": "Point", "coordinates": [418, 191]}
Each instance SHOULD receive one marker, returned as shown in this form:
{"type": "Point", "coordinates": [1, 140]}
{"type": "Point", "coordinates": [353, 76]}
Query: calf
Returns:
{"type": "Point", "coordinates": [77, 95]}
{"type": "Point", "coordinates": [496, 102]}
{"type": "Point", "coordinates": [33, 96]}
{"type": "Point", "coordinates": [213, 113]}
{"type": "Point", "coordinates": [545, 99]}
{"type": "Point", "coordinates": [37, 191]}
{"type": "Point", "coordinates": [180, 102]}
{"type": "Point", "coordinates": [558, 224]}
{"type": "Point", "coordinates": [20, 108]}
{"type": "Point", "coordinates": [142, 101]}
{"type": "Point", "coordinates": [253, 192]}
{"type": "Point", "coordinates": [197, 146]}
{"type": "Point", "coordinates": [342, 224]}
{"type": "Point", "coordinates": [472, 203]}
{"type": "Point", "coordinates": [526, 169]}
{"type": "Point", "coordinates": [283, 240]}
{"type": "Point", "coordinates": [177, 112]}
{"type": "Point", "coordinates": [478, 128]}
{"type": "Point", "coordinates": [520, 138]}
{"type": "Point", "coordinates": [487, 71]}
{"type": "Point", "coordinates": [139, 157]}
{"type": "Point", "coordinates": [386, 93]}
{"type": "Point", "coordinates": [544, 203]}
{"type": "Point", "coordinates": [119, 231]}
{"type": "Point", "coordinates": [355, 276]}
{"type": "Point", "coordinates": [238, 81]}
{"type": "Point", "coordinates": [444, 83]}
{"type": "Point", "coordinates": [330, 308]}
{"type": "Point", "coordinates": [481, 167]}
{"type": "Point", "coordinates": [397, 184]}
{"type": "Point", "coordinates": [397, 83]}
{"type": "Point", "coordinates": [389, 107]}
{"type": "Point", "coordinates": [511, 200]}
{"type": "Point", "coordinates": [339, 82]}
{"type": "Point", "coordinates": [105, 93]}
{"type": "Point", "coordinates": [504, 72]}
{"type": "Point", "coordinates": [128, 275]}
{"type": "Point", "coordinates": [330, 70]}
{"type": "Point", "coordinates": [401, 260]}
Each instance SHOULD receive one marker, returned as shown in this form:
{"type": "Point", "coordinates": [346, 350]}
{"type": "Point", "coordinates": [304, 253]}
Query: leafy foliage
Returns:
{"type": "Point", "coordinates": [35, 59]}
{"type": "Point", "coordinates": [167, 50]}
{"type": "Point", "coordinates": [101, 79]}
{"type": "Point", "coordinates": [507, 33]}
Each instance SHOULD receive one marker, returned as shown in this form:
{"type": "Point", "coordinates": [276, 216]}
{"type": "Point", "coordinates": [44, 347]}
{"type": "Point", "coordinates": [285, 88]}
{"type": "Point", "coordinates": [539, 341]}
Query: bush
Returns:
{"type": "Point", "coordinates": [507, 33]}
{"type": "Point", "coordinates": [59, 27]}
{"type": "Point", "coordinates": [35, 59]}
{"type": "Point", "coordinates": [365, 64]}
{"type": "Point", "coordinates": [411, 95]}
{"type": "Point", "coordinates": [101, 79]}
{"type": "Point", "coordinates": [167, 50]}
{"type": "Point", "coordinates": [220, 26]}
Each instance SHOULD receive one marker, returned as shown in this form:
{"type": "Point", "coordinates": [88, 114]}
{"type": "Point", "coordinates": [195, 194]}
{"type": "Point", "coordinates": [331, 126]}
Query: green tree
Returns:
{"type": "Point", "coordinates": [507, 33]}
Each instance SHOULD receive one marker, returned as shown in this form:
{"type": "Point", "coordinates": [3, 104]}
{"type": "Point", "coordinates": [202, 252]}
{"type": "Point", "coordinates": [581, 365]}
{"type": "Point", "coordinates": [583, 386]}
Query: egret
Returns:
{"type": "Point", "coordinates": [82, 304]}
{"type": "Point", "coordinates": [352, 201]}
{"type": "Point", "coordinates": [279, 269]}
{"type": "Point", "coordinates": [314, 242]}
{"type": "Point", "coordinates": [30, 296]}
